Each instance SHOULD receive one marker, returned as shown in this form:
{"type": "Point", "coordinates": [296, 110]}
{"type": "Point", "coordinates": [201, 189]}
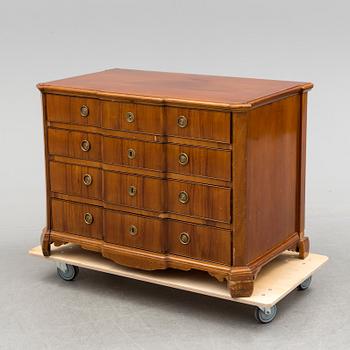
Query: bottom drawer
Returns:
{"type": "Point", "coordinates": [199, 242]}
{"type": "Point", "coordinates": [80, 219]}
{"type": "Point", "coordinates": [175, 237]}
{"type": "Point", "coordinates": [135, 231]}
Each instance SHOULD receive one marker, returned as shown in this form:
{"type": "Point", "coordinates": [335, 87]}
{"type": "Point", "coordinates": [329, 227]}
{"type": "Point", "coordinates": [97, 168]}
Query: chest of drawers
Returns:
{"type": "Point", "coordinates": [163, 170]}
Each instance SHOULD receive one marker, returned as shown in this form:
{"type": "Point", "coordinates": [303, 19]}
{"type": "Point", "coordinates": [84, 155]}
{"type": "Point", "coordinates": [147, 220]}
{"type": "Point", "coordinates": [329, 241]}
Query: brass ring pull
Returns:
{"type": "Point", "coordinates": [87, 179]}
{"type": "Point", "coordinates": [131, 153]}
{"type": "Point", "coordinates": [88, 218]}
{"type": "Point", "coordinates": [182, 121]}
{"type": "Point", "coordinates": [132, 191]}
{"type": "Point", "coordinates": [84, 111]}
{"type": "Point", "coordinates": [85, 145]}
{"type": "Point", "coordinates": [130, 117]}
{"type": "Point", "coordinates": [185, 238]}
{"type": "Point", "coordinates": [133, 230]}
{"type": "Point", "coordinates": [183, 197]}
{"type": "Point", "coordinates": [183, 158]}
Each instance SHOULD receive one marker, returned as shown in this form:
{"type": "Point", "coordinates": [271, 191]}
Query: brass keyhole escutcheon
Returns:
{"type": "Point", "coordinates": [182, 121]}
{"type": "Point", "coordinates": [133, 230]}
{"type": "Point", "coordinates": [130, 117]}
{"type": "Point", "coordinates": [85, 145]}
{"type": "Point", "coordinates": [131, 153]}
{"type": "Point", "coordinates": [183, 158]}
{"type": "Point", "coordinates": [183, 197]}
{"type": "Point", "coordinates": [88, 218]}
{"type": "Point", "coordinates": [185, 238]}
{"type": "Point", "coordinates": [87, 179]}
{"type": "Point", "coordinates": [132, 191]}
{"type": "Point", "coordinates": [84, 111]}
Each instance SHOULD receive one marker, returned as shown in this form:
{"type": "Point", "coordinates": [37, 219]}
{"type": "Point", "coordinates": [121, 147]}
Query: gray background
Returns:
{"type": "Point", "coordinates": [46, 40]}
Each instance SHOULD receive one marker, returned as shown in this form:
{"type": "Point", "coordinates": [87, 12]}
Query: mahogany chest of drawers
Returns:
{"type": "Point", "coordinates": [163, 170]}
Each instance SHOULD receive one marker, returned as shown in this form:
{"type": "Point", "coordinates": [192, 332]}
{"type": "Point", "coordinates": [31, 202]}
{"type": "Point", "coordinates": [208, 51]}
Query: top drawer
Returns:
{"type": "Point", "coordinates": [199, 124]}
{"type": "Point", "coordinates": [132, 117]}
{"type": "Point", "coordinates": [73, 110]}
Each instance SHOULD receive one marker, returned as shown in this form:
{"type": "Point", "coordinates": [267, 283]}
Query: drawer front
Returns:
{"type": "Point", "coordinates": [132, 117]}
{"type": "Point", "coordinates": [139, 154]}
{"type": "Point", "coordinates": [76, 180]}
{"type": "Point", "coordinates": [133, 191]}
{"type": "Point", "coordinates": [134, 231]}
{"type": "Point", "coordinates": [199, 161]}
{"type": "Point", "coordinates": [74, 144]}
{"type": "Point", "coordinates": [199, 242]}
{"type": "Point", "coordinates": [199, 124]}
{"type": "Point", "coordinates": [80, 219]}
{"type": "Point", "coordinates": [73, 110]}
{"type": "Point", "coordinates": [208, 202]}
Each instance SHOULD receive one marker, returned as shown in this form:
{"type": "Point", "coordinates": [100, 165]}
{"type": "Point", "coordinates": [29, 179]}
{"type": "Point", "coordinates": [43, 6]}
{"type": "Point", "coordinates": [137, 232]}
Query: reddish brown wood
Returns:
{"type": "Point", "coordinates": [241, 282]}
{"type": "Point", "coordinates": [66, 109]}
{"type": "Point", "coordinates": [303, 247]}
{"type": "Point", "coordinates": [239, 171]}
{"type": "Point", "coordinates": [201, 124]}
{"type": "Point", "coordinates": [149, 192]}
{"type": "Point", "coordinates": [135, 231]}
{"type": "Point", "coordinates": [208, 202]}
{"type": "Point", "coordinates": [238, 154]}
{"type": "Point", "coordinates": [45, 242]}
{"type": "Point", "coordinates": [147, 155]}
{"type": "Point", "coordinates": [69, 217]}
{"type": "Point", "coordinates": [69, 179]}
{"type": "Point", "coordinates": [68, 143]}
{"type": "Point", "coordinates": [175, 86]}
{"type": "Point", "coordinates": [147, 119]}
{"type": "Point", "coordinates": [301, 166]}
{"type": "Point", "coordinates": [271, 175]}
{"type": "Point", "coordinates": [201, 161]}
{"type": "Point", "coordinates": [206, 243]}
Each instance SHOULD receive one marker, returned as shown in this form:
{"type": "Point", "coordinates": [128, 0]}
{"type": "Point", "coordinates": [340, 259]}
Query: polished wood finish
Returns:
{"type": "Point", "coordinates": [69, 217]}
{"type": "Point", "coordinates": [69, 144]}
{"type": "Point", "coordinates": [69, 179]}
{"type": "Point", "coordinates": [205, 242]}
{"type": "Point", "coordinates": [201, 124]}
{"type": "Point", "coordinates": [162, 170]}
{"type": "Point", "coordinates": [148, 192]}
{"type": "Point", "coordinates": [160, 87]}
{"type": "Point", "coordinates": [135, 231]}
{"type": "Point", "coordinates": [147, 119]}
{"type": "Point", "coordinates": [201, 161]}
{"type": "Point", "coordinates": [207, 202]}
{"type": "Point", "coordinates": [147, 155]}
{"type": "Point", "coordinates": [272, 134]}
{"type": "Point", "coordinates": [66, 109]}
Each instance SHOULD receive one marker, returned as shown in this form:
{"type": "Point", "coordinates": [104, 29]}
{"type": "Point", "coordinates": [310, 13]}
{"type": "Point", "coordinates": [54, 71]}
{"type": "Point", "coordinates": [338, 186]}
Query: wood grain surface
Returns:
{"type": "Point", "coordinates": [156, 170]}
{"type": "Point", "coordinates": [176, 86]}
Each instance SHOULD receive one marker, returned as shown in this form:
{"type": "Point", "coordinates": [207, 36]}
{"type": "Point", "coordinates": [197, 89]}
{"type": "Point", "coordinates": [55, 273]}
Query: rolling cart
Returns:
{"type": "Point", "coordinates": [275, 281]}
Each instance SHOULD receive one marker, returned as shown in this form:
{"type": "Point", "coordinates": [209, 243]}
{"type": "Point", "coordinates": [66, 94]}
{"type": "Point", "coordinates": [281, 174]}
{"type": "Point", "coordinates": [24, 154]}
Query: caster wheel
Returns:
{"type": "Point", "coordinates": [306, 284]}
{"type": "Point", "coordinates": [265, 317]}
{"type": "Point", "coordinates": [67, 272]}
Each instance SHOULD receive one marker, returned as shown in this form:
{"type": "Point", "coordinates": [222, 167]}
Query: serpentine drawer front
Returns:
{"type": "Point", "coordinates": [163, 170]}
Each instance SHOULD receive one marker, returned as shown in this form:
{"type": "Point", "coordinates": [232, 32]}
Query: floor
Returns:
{"type": "Point", "coordinates": [100, 311]}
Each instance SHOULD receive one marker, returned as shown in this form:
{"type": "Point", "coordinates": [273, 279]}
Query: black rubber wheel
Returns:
{"type": "Point", "coordinates": [70, 274]}
{"type": "Point", "coordinates": [306, 284]}
{"type": "Point", "coordinates": [265, 317]}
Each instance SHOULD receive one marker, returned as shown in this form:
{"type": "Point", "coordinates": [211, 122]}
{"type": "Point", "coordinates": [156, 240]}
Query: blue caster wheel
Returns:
{"type": "Point", "coordinates": [306, 284]}
{"type": "Point", "coordinates": [67, 272]}
{"type": "Point", "coordinates": [265, 316]}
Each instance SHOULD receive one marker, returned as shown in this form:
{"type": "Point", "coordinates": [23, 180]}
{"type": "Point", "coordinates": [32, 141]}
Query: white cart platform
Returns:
{"type": "Point", "coordinates": [276, 280]}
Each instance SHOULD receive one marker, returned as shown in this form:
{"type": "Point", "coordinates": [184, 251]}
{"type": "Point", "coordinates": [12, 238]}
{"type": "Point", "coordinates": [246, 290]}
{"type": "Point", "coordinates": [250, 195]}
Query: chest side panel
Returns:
{"type": "Point", "coordinates": [272, 148]}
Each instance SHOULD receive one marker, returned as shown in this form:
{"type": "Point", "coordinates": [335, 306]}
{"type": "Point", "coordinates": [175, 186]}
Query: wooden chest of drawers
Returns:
{"type": "Point", "coordinates": [163, 170]}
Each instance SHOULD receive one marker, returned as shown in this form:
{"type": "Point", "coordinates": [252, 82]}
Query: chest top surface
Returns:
{"type": "Point", "coordinates": [161, 86]}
